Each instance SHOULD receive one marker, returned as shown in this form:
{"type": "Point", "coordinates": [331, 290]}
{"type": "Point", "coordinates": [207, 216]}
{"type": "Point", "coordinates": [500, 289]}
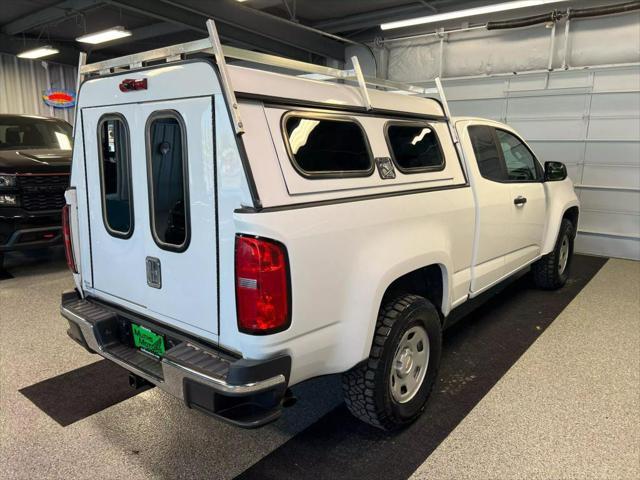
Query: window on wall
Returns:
{"type": "Point", "coordinates": [520, 163]}
{"type": "Point", "coordinates": [415, 148]}
{"type": "Point", "coordinates": [323, 146]}
{"type": "Point", "coordinates": [486, 152]}
{"type": "Point", "coordinates": [115, 173]}
{"type": "Point", "coordinates": [167, 170]}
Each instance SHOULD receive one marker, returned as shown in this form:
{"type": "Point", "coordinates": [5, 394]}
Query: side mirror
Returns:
{"type": "Point", "coordinates": [554, 171]}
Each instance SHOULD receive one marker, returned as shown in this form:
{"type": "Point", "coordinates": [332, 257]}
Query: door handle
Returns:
{"type": "Point", "coordinates": [519, 200]}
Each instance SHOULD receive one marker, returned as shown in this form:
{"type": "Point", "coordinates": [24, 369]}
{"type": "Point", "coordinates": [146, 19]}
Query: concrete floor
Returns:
{"type": "Point", "coordinates": [567, 409]}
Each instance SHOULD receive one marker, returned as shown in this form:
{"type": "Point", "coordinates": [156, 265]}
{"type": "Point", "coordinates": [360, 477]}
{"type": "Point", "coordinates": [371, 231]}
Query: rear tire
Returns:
{"type": "Point", "coordinates": [390, 389]}
{"type": "Point", "coordinates": [552, 270]}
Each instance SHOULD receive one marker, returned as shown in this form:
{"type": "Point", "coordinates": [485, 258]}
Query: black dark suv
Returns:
{"type": "Point", "coordinates": [35, 164]}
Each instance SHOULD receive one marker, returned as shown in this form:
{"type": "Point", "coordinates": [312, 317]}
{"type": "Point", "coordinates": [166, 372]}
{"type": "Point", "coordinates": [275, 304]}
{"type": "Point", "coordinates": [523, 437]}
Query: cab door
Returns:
{"type": "Point", "coordinates": [528, 211]}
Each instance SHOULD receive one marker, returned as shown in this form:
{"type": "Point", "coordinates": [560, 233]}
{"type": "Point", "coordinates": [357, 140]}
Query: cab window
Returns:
{"type": "Point", "coordinates": [519, 161]}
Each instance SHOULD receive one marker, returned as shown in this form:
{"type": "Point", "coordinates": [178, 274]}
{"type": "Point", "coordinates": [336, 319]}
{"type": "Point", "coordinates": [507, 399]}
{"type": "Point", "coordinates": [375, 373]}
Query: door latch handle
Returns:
{"type": "Point", "coordinates": [519, 200]}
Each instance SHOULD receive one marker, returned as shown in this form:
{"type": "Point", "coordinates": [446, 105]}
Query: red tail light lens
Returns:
{"type": "Point", "coordinates": [262, 285]}
{"type": "Point", "coordinates": [66, 234]}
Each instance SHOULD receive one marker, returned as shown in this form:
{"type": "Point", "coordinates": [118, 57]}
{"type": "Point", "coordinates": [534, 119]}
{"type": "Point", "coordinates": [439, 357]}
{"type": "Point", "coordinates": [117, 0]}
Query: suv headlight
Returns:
{"type": "Point", "coordinates": [7, 181]}
{"type": "Point", "coordinates": [8, 200]}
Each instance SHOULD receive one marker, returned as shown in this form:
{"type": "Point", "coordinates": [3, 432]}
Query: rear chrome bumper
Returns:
{"type": "Point", "coordinates": [247, 393]}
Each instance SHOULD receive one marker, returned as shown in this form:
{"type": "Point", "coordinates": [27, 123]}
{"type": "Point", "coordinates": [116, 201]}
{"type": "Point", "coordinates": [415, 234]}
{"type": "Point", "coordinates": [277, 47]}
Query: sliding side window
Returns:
{"type": "Point", "coordinates": [415, 148]}
{"type": "Point", "coordinates": [115, 175]}
{"type": "Point", "coordinates": [327, 146]}
{"type": "Point", "coordinates": [167, 177]}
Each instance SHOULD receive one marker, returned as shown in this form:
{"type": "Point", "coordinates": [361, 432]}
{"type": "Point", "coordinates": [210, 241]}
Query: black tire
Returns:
{"type": "Point", "coordinates": [547, 272]}
{"type": "Point", "coordinates": [367, 386]}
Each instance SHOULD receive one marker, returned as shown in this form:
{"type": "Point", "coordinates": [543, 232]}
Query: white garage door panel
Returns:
{"type": "Point", "coordinates": [549, 129]}
{"type": "Point", "coordinates": [571, 153]}
{"type": "Point", "coordinates": [613, 153]}
{"type": "Point", "coordinates": [608, 246]}
{"type": "Point", "coordinates": [611, 176]}
{"type": "Point", "coordinates": [549, 107]}
{"type": "Point", "coordinates": [490, 108]}
{"type": "Point", "coordinates": [615, 104]}
{"type": "Point", "coordinates": [624, 129]}
{"type": "Point", "coordinates": [611, 201]}
{"type": "Point", "coordinates": [623, 224]}
{"type": "Point", "coordinates": [616, 79]}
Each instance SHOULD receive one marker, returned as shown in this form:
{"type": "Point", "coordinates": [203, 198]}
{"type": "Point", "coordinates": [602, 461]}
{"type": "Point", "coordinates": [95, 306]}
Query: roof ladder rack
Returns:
{"type": "Point", "coordinates": [212, 46]}
{"type": "Point", "coordinates": [228, 91]}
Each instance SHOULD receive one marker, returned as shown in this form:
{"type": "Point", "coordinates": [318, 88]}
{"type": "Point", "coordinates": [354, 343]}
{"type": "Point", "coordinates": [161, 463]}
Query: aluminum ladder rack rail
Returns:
{"type": "Point", "coordinates": [212, 46]}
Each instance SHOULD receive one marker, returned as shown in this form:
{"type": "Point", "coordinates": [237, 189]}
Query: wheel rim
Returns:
{"type": "Point", "coordinates": [409, 364]}
{"type": "Point", "coordinates": [564, 255]}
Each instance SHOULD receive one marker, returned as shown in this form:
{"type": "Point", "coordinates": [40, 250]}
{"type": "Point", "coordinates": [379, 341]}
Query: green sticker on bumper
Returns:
{"type": "Point", "coordinates": [146, 340]}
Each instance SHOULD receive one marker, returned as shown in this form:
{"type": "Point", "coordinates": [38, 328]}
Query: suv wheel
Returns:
{"type": "Point", "coordinates": [552, 270]}
{"type": "Point", "coordinates": [390, 389]}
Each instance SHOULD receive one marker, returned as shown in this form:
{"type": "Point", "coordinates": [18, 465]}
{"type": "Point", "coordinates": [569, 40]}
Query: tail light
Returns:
{"type": "Point", "coordinates": [262, 286]}
{"type": "Point", "coordinates": [66, 234]}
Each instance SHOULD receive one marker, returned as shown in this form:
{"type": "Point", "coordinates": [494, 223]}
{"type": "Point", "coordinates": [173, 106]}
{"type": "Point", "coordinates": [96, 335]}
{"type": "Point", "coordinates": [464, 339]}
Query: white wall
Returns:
{"type": "Point", "coordinates": [588, 118]}
{"type": "Point", "coordinates": [22, 83]}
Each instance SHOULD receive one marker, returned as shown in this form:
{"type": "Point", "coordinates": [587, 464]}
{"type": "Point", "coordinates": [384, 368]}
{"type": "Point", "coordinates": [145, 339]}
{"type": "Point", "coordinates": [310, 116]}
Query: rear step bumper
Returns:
{"type": "Point", "coordinates": [247, 393]}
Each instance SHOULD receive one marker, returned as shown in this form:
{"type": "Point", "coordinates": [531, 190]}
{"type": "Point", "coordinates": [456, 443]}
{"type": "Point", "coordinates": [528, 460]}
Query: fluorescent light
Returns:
{"type": "Point", "coordinates": [469, 12]}
{"type": "Point", "coordinates": [104, 35]}
{"type": "Point", "coordinates": [39, 52]}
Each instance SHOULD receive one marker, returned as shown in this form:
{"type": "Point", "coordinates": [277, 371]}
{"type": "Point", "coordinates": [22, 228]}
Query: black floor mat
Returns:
{"type": "Point", "coordinates": [82, 392]}
{"type": "Point", "coordinates": [4, 274]}
{"type": "Point", "coordinates": [477, 352]}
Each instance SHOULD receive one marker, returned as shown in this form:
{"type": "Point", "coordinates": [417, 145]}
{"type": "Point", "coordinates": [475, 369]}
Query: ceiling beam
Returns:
{"type": "Point", "coordinates": [195, 21]}
{"type": "Point", "coordinates": [269, 26]}
{"type": "Point", "coordinates": [48, 15]}
{"type": "Point", "coordinates": [241, 25]}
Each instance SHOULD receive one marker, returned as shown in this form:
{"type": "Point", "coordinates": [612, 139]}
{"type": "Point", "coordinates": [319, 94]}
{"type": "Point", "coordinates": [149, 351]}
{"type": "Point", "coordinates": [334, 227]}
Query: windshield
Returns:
{"type": "Point", "coordinates": [28, 132]}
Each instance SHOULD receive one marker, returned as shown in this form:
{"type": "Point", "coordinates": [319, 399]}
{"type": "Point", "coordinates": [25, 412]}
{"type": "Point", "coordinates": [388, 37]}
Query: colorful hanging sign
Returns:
{"type": "Point", "coordinates": [59, 98]}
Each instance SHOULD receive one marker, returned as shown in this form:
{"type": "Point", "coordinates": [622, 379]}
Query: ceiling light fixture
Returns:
{"type": "Point", "coordinates": [39, 52]}
{"type": "Point", "coordinates": [469, 12]}
{"type": "Point", "coordinates": [104, 35]}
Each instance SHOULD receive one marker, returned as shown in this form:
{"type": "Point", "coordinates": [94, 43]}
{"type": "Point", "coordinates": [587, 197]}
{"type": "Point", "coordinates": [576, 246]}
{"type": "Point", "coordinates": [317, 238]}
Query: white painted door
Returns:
{"type": "Point", "coordinates": [151, 185]}
{"type": "Point", "coordinates": [528, 209]}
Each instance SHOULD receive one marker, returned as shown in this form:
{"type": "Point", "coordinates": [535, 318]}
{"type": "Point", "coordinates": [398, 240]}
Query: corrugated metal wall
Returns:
{"type": "Point", "coordinates": [588, 119]}
{"type": "Point", "coordinates": [22, 83]}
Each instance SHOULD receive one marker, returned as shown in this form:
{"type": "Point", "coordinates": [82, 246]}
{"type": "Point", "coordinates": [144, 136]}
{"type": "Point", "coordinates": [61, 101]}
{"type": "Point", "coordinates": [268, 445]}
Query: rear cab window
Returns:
{"type": "Point", "coordinates": [167, 180]}
{"type": "Point", "coordinates": [115, 175]}
{"type": "Point", "coordinates": [327, 146]}
{"type": "Point", "coordinates": [414, 148]}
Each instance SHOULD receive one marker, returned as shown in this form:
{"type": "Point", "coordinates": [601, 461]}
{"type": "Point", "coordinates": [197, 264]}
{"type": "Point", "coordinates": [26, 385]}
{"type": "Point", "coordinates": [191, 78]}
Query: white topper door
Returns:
{"type": "Point", "coordinates": [167, 263]}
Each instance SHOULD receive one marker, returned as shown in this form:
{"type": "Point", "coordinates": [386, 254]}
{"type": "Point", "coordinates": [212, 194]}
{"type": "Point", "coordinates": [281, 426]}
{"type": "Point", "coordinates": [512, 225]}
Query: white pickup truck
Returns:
{"type": "Point", "coordinates": [233, 232]}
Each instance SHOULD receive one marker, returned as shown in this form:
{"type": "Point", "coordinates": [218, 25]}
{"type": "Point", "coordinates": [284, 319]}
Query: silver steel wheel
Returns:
{"type": "Point", "coordinates": [563, 258]}
{"type": "Point", "coordinates": [409, 364]}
